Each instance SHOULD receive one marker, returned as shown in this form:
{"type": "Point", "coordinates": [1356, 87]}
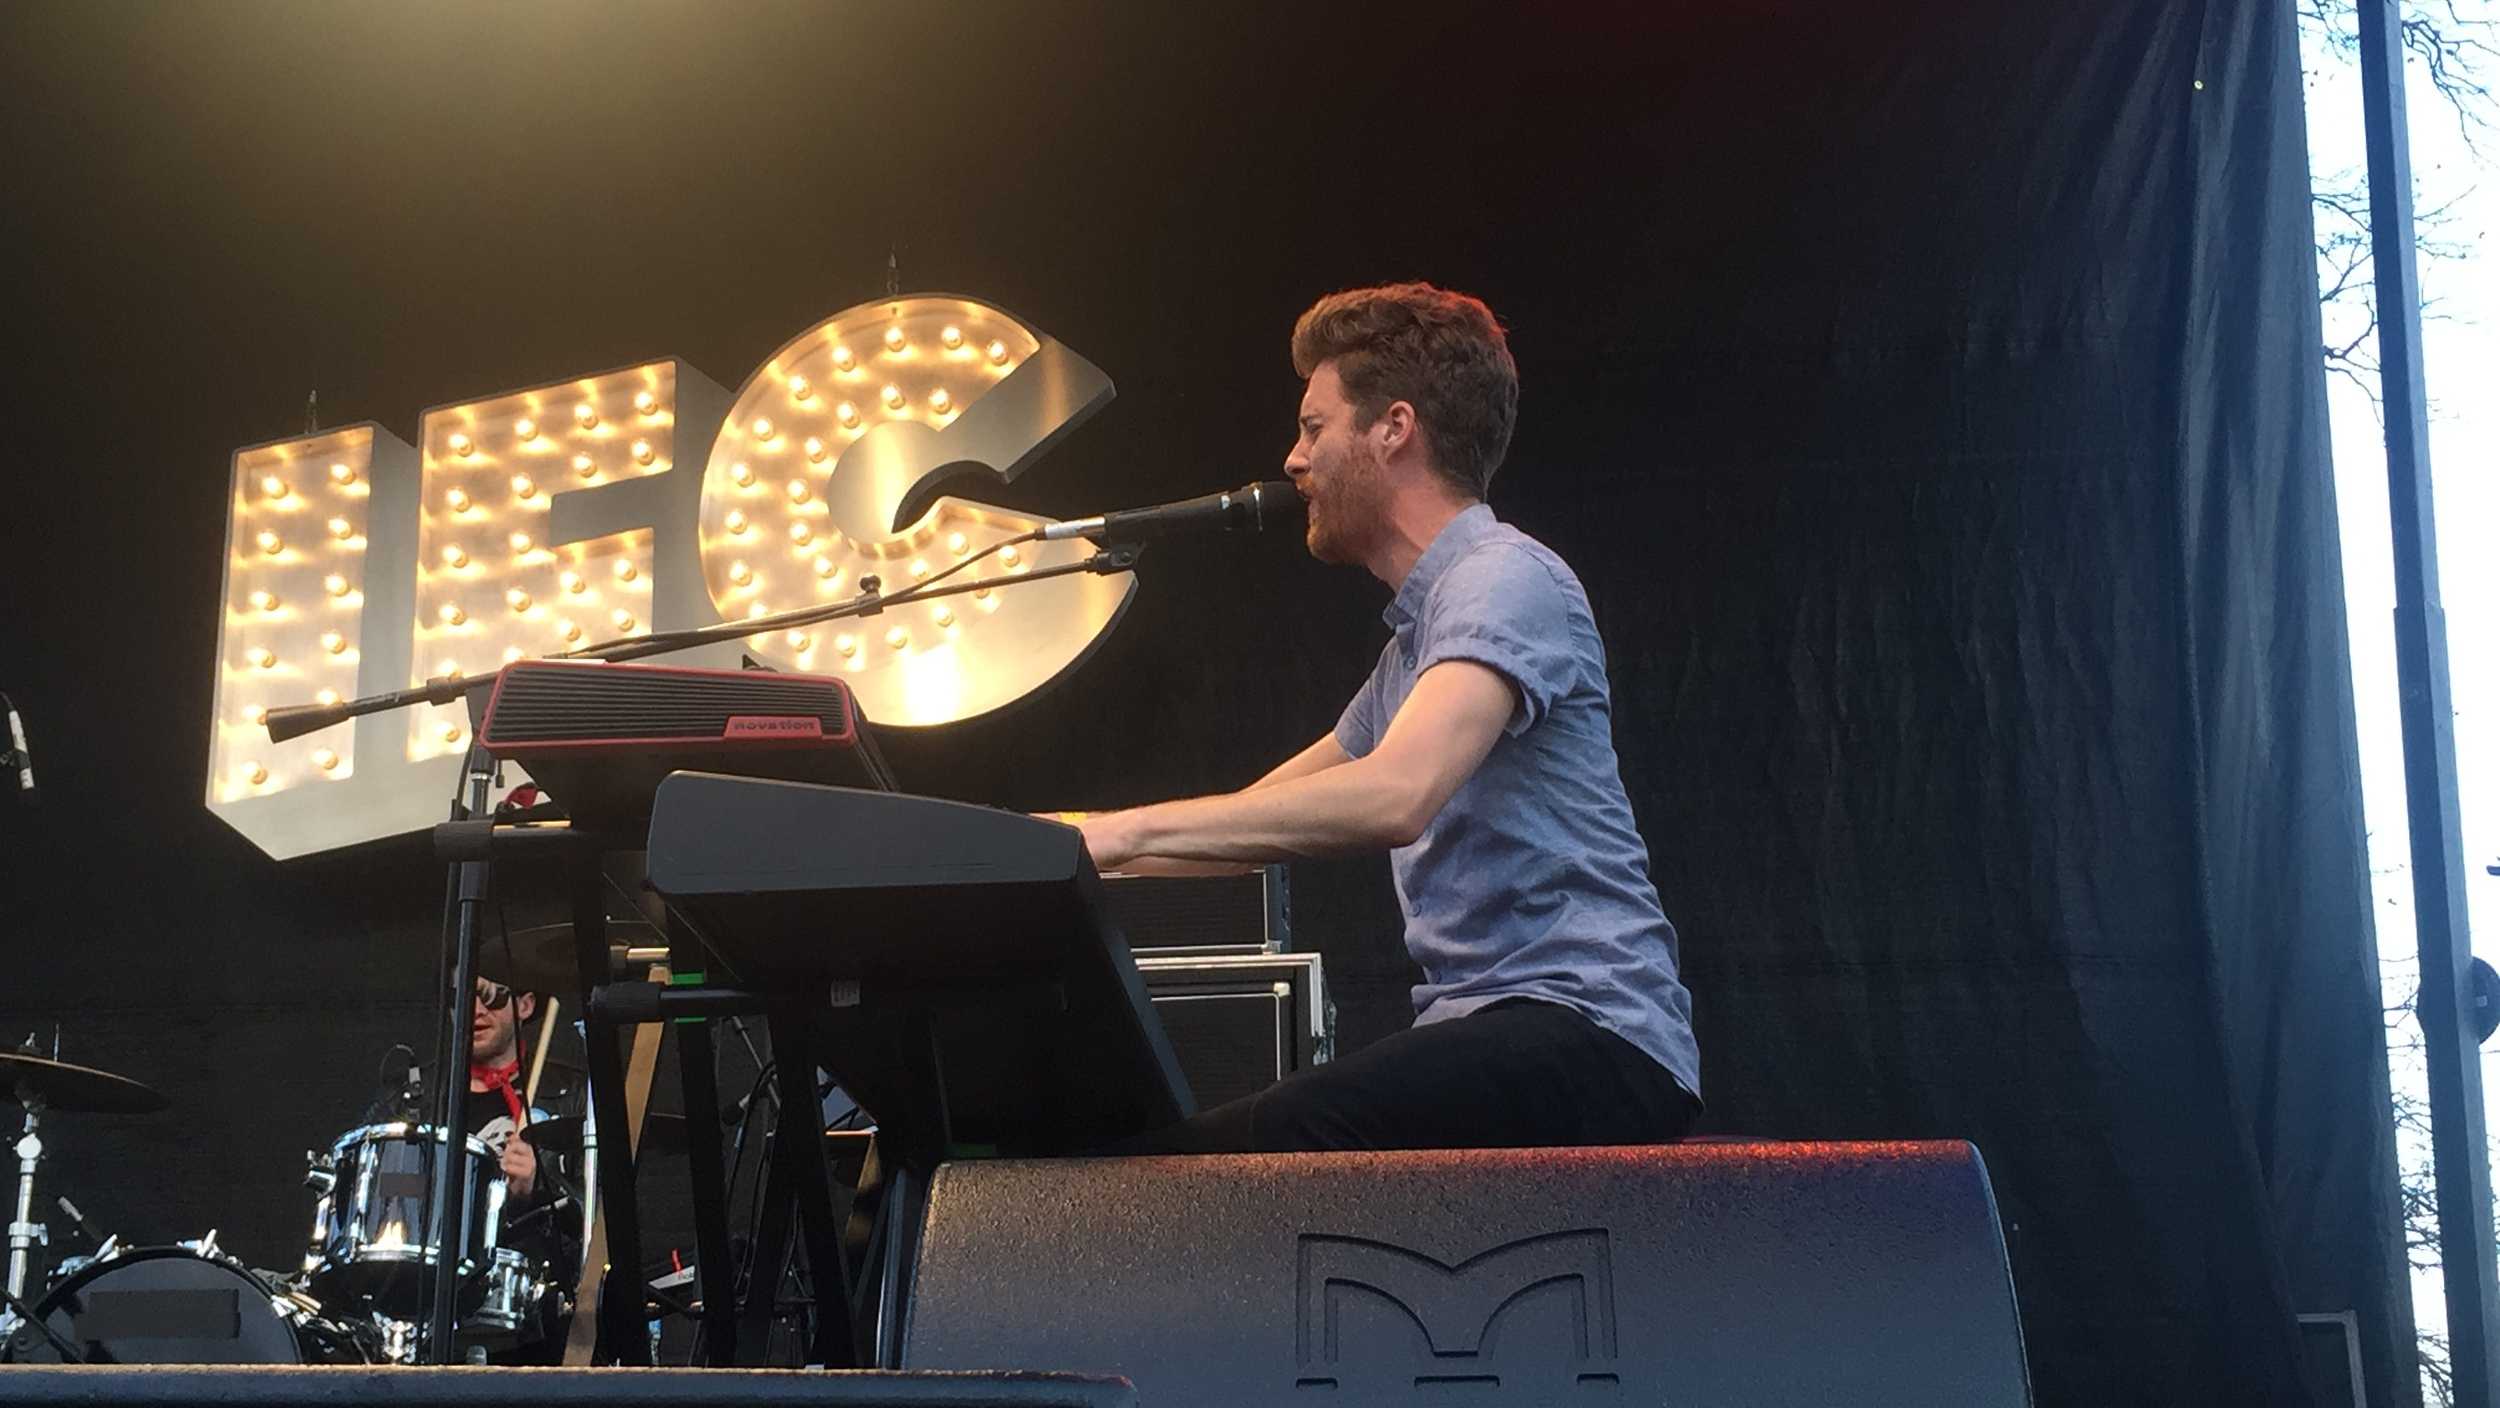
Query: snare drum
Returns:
{"type": "Point", "coordinates": [372, 1242]}
{"type": "Point", "coordinates": [512, 1310]}
{"type": "Point", "coordinates": [176, 1305]}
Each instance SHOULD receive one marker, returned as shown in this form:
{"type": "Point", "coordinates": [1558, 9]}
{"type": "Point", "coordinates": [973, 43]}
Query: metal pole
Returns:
{"type": "Point", "coordinates": [449, 1223]}
{"type": "Point", "coordinates": [2446, 997]}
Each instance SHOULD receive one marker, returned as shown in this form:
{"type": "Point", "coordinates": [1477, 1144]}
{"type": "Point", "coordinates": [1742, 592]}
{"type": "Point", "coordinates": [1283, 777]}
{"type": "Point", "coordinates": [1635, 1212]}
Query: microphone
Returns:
{"type": "Point", "coordinates": [1253, 506]}
{"type": "Point", "coordinates": [17, 743]}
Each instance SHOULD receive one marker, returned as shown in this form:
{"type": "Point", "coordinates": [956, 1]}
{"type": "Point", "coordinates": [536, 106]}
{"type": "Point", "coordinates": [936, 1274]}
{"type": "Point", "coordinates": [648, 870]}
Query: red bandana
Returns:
{"type": "Point", "coordinates": [500, 1078]}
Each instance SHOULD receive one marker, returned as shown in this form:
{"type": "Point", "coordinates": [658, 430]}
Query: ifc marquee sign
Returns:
{"type": "Point", "coordinates": [534, 522]}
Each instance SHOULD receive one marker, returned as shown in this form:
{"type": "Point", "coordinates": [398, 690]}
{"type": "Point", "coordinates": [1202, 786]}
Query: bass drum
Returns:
{"type": "Point", "coordinates": [171, 1305]}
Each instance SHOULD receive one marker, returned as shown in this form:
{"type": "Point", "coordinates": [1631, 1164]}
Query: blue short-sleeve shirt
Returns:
{"type": "Point", "coordinates": [1532, 881]}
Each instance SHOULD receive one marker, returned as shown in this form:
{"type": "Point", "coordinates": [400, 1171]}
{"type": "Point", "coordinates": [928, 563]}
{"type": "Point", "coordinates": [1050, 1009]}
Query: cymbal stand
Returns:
{"type": "Point", "coordinates": [24, 1232]}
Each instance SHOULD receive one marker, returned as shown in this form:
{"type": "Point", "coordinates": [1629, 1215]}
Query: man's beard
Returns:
{"type": "Point", "coordinates": [1345, 519]}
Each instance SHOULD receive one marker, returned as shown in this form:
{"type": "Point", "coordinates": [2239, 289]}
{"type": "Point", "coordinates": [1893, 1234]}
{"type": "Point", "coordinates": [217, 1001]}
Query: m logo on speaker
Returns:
{"type": "Point", "coordinates": [1459, 1307]}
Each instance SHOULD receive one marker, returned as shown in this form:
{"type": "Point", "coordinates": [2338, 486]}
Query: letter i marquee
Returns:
{"type": "Point", "coordinates": [537, 521]}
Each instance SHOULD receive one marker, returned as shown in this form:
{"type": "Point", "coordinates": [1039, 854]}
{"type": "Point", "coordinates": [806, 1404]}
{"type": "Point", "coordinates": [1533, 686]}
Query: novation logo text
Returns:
{"type": "Point", "coordinates": [774, 726]}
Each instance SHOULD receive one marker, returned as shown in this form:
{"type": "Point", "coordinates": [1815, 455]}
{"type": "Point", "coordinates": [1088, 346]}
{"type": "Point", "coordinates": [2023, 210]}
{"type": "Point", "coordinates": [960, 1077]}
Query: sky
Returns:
{"type": "Point", "coordinates": [2459, 169]}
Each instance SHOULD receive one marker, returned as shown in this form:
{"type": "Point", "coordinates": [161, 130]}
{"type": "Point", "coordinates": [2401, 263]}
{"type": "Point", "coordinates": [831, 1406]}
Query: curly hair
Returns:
{"type": "Point", "coordinates": [1439, 351]}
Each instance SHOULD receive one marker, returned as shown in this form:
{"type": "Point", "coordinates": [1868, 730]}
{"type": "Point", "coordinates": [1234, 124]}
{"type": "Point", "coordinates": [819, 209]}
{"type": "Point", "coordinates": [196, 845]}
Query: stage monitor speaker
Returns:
{"type": "Point", "coordinates": [298, 1386]}
{"type": "Point", "coordinates": [1240, 1022]}
{"type": "Point", "coordinates": [1202, 914]}
{"type": "Point", "coordinates": [1823, 1274]}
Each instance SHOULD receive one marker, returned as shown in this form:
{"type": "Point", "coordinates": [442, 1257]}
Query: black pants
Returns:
{"type": "Point", "coordinates": [1516, 1074]}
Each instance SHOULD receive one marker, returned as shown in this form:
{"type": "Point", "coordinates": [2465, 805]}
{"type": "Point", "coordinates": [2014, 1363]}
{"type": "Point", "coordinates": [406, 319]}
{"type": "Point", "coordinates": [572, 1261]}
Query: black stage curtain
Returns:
{"type": "Point", "coordinates": [1927, 394]}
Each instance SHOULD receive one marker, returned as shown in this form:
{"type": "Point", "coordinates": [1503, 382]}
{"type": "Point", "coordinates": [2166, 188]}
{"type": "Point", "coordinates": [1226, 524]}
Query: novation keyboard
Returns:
{"type": "Point", "coordinates": [988, 927]}
{"type": "Point", "coordinates": [600, 737]}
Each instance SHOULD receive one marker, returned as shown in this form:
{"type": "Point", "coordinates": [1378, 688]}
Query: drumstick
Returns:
{"type": "Point", "coordinates": [538, 1058]}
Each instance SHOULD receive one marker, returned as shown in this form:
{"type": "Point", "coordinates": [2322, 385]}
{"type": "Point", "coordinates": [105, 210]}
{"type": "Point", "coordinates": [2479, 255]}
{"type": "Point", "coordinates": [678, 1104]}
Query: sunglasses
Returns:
{"type": "Point", "coordinates": [492, 996]}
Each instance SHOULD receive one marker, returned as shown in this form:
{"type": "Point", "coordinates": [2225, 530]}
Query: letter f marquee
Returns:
{"type": "Point", "coordinates": [538, 521]}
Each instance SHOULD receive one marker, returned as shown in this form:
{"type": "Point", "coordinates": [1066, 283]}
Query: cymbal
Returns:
{"type": "Point", "coordinates": [58, 1085]}
{"type": "Point", "coordinates": [541, 958]}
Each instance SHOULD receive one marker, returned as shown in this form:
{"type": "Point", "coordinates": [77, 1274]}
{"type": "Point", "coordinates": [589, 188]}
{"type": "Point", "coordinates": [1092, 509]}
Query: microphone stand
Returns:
{"type": "Point", "coordinates": [447, 1216]}
{"type": "Point", "coordinates": [295, 720]}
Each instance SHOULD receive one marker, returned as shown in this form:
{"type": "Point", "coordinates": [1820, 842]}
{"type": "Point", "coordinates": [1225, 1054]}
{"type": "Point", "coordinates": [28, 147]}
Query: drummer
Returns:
{"type": "Point", "coordinates": [498, 1081]}
{"type": "Point", "coordinates": [541, 1217]}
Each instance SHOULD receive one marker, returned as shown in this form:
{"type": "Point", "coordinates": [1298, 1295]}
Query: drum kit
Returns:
{"type": "Point", "coordinates": [367, 1276]}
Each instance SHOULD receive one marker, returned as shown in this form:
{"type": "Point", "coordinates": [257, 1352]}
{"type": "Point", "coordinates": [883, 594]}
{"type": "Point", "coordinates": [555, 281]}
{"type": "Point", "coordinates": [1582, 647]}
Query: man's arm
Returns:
{"type": "Point", "coordinates": [1320, 756]}
{"type": "Point", "coordinates": [1312, 806]}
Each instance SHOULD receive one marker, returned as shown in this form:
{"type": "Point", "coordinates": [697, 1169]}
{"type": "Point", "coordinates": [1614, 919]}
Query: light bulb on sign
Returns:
{"type": "Point", "coordinates": [801, 534]}
{"type": "Point", "coordinates": [956, 543]}
{"type": "Point", "coordinates": [586, 416]}
{"type": "Point", "coordinates": [341, 529]}
{"type": "Point", "coordinates": [326, 697]}
{"type": "Point", "coordinates": [274, 487]}
{"type": "Point", "coordinates": [998, 354]}
{"type": "Point", "coordinates": [799, 389]}
{"type": "Point", "coordinates": [333, 642]}
{"type": "Point", "coordinates": [645, 403]}
{"type": "Point", "coordinates": [643, 453]}
{"type": "Point", "coordinates": [764, 428]}
{"type": "Point", "coordinates": [571, 582]}
{"type": "Point", "coordinates": [448, 670]}
{"type": "Point", "coordinates": [848, 414]}
{"type": "Point", "coordinates": [736, 522]}
{"type": "Point", "coordinates": [520, 542]}
{"type": "Point", "coordinates": [945, 616]}
{"type": "Point", "coordinates": [526, 428]}
{"type": "Point", "coordinates": [826, 569]}
{"type": "Point", "coordinates": [334, 584]}
{"type": "Point", "coordinates": [455, 556]}
{"type": "Point", "coordinates": [451, 733]}
{"type": "Point", "coordinates": [462, 445]}
{"type": "Point", "coordinates": [898, 638]}
{"type": "Point", "coordinates": [341, 475]}
{"type": "Point", "coordinates": [512, 653]}
{"type": "Point", "coordinates": [846, 645]}
{"type": "Point", "coordinates": [741, 574]}
{"type": "Point", "coordinates": [919, 567]}
{"type": "Point", "coordinates": [980, 593]}
{"type": "Point", "coordinates": [894, 339]}
{"type": "Point", "coordinates": [741, 475]}
{"type": "Point", "coordinates": [254, 713]}
{"type": "Point", "coordinates": [842, 358]}
{"type": "Point", "coordinates": [255, 774]}
{"type": "Point", "coordinates": [1008, 554]}
{"type": "Point", "coordinates": [263, 601]}
{"type": "Point", "coordinates": [623, 619]}
{"type": "Point", "coordinates": [893, 396]}
{"type": "Point", "coordinates": [940, 402]}
{"type": "Point", "coordinates": [815, 449]}
{"type": "Point", "coordinates": [451, 615]}
{"type": "Point", "coordinates": [585, 466]}
{"type": "Point", "coordinates": [625, 570]}
{"type": "Point", "coordinates": [799, 492]}
{"type": "Point", "coordinates": [953, 337]}
{"type": "Point", "coordinates": [519, 599]}
{"type": "Point", "coordinates": [325, 760]}
{"type": "Point", "coordinates": [798, 640]}
{"type": "Point", "coordinates": [270, 543]}
{"type": "Point", "coordinates": [457, 500]}
{"type": "Point", "coordinates": [571, 631]}
{"type": "Point", "coordinates": [524, 487]}
{"type": "Point", "coordinates": [261, 657]}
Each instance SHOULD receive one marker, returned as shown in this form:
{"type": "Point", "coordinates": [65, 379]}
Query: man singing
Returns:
{"type": "Point", "coordinates": [1479, 754]}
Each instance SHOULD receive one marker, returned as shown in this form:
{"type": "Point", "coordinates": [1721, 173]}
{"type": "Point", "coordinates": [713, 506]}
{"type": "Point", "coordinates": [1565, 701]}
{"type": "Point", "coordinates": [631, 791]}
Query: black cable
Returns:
{"type": "Point", "coordinates": [68, 1352]}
